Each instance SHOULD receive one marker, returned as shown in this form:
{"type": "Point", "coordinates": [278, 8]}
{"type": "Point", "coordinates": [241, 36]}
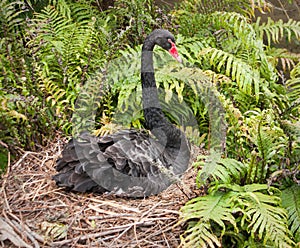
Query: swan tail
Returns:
{"type": "Point", "coordinates": [71, 166]}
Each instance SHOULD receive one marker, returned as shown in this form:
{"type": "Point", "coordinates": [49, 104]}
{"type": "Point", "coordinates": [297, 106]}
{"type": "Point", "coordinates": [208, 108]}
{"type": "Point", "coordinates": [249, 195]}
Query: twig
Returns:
{"type": "Point", "coordinates": [16, 229]}
{"type": "Point", "coordinates": [163, 233]}
{"type": "Point", "coordinates": [3, 144]}
{"type": "Point", "coordinates": [283, 9]}
{"type": "Point", "coordinates": [97, 235]}
{"type": "Point", "coordinates": [4, 183]}
{"type": "Point", "coordinates": [120, 235]}
{"type": "Point", "coordinates": [115, 205]}
{"type": "Point", "coordinates": [28, 234]}
{"type": "Point", "coordinates": [22, 159]}
{"type": "Point", "coordinates": [135, 236]}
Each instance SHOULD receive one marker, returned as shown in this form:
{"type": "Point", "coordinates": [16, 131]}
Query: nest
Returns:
{"type": "Point", "coordinates": [36, 213]}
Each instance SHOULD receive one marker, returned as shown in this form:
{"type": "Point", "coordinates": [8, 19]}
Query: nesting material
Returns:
{"type": "Point", "coordinates": [36, 213]}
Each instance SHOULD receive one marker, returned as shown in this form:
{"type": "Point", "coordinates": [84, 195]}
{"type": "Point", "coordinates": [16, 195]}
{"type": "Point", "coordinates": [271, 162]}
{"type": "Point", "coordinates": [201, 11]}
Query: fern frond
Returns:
{"type": "Point", "coordinates": [199, 235]}
{"type": "Point", "coordinates": [200, 212]}
{"type": "Point", "coordinates": [190, 47]}
{"type": "Point", "coordinates": [264, 217]}
{"type": "Point", "coordinates": [269, 140]}
{"type": "Point", "coordinates": [275, 31]}
{"type": "Point", "coordinates": [223, 170]}
{"type": "Point", "coordinates": [55, 94]}
{"type": "Point", "coordinates": [293, 83]}
{"type": "Point", "coordinates": [247, 78]}
{"type": "Point", "coordinates": [243, 6]}
{"type": "Point", "coordinates": [10, 12]}
{"type": "Point", "coordinates": [291, 202]}
{"type": "Point", "coordinates": [237, 24]}
{"type": "Point", "coordinates": [282, 57]}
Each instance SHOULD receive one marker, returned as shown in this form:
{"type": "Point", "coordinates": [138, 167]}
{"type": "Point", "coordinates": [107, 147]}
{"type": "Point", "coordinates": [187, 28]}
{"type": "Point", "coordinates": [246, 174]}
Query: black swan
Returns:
{"type": "Point", "coordinates": [130, 162]}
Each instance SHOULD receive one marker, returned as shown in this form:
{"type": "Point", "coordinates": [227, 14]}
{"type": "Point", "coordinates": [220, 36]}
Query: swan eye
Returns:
{"type": "Point", "coordinates": [173, 51]}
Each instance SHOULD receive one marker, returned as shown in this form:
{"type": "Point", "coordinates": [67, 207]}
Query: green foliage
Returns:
{"type": "Point", "coordinates": [275, 31]}
{"type": "Point", "coordinates": [293, 84]}
{"type": "Point", "coordinates": [247, 78]}
{"type": "Point", "coordinates": [66, 51]}
{"type": "Point", "coordinates": [262, 145]}
{"type": "Point", "coordinates": [135, 19]}
{"type": "Point", "coordinates": [3, 159]}
{"type": "Point", "coordinates": [202, 212]}
{"type": "Point", "coordinates": [291, 202]}
{"type": "Point", "coordinates": [208, 7]}
{"type": "Point", "coordinates": [194, 16]}
{"type": "Point", "coordinates": [250, 212]}
{"type": "Point", "coordinates": [226, 170]}
{"type": "Point", "coordinates": [20, 111]}
{"type": "Point", "coordinates": [45, 60]}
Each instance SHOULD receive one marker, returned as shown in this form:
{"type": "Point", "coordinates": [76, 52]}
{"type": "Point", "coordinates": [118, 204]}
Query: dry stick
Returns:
{"type": "Point", "coordinates": [171, 226]}
{"type": "Point", "coordinates": [96, 235]}
{"type": "Point", "coordinates": [4, 183]}
{"type": "Point", "coordinates": [160, 231]}
{"type": "Point", "coordinates": [135, 236]}
{"type": "Point", "coordinates": [34, 234]}
{"type": "Point", "coordinates": [155, 234]}
{"type": "Point", "coordinates": [154, 244]}
{"type": "Point", "coordinates": [75, 216]}
{"type": "Point", "coordinates": [28, 234]}
{"type": "Point", "coordinates": [134, 224]}
{"type": "Point", "coordinates": [154, 206]}
{"type": "Point", "coordinates": [48, 158]}
{"type": "Point", "coordinates": [14, 226]}
{"type": "Point", "coordinates": [93, 244]}
{"type": "Point", "coordinates": [118, 206]}
{"type": "Point", "coordinates": [182, 190]}
{"type": "Point", "coordinates": [3, 144]}
{"type": "Point", "coordinates": [163, 233]}
{"type": "Point", "coordinates": [144, 214]}
{"type": "Point", "coordinates": [112, 216]}
{"type": "Point", "coordinates": [23, 157]}
{"type": "Point", "coordinates": [283, 9]}
{"type": "Point", "coordinates": [40, 188]}
{"type": "Point", "coordinates": [45, 193]}
{"type": "Point", "coordinates": [144, 239]}
{"type": "Point", "coordinates": [120, 235]}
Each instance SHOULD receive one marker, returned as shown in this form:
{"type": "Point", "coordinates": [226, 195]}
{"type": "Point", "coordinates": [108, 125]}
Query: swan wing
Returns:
{"type": "Point", "coordinates": [127, 162]}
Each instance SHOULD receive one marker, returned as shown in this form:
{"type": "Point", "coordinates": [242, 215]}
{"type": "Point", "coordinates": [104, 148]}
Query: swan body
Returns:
{"type": "Point", "coordinates": [130, 162]}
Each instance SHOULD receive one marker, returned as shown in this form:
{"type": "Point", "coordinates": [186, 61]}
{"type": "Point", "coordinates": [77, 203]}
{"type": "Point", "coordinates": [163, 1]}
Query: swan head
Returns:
{"type": "Point", "coordinates": [166, 40]}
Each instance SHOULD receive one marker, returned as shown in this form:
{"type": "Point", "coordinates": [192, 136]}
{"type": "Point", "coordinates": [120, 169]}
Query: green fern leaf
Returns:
{"type": "Point", "coordinates": [236, 23]}
{"type": "Point", "coordinates": [200, 235]}
{"type": "Point", "coordinates": [215, 208]}
{"type": "Point", "coordinates": [247, 78]}
{"type": "Point", "coordinates": [293, 83]}
{"type": "Point", "coordinates": [267, 220]}
{"type": "Point", "coordinates": [222, 170]}
{"type": "Point", "coordinates": [275, 31]}
{"type": "Point", "coordinates": [291, 202]}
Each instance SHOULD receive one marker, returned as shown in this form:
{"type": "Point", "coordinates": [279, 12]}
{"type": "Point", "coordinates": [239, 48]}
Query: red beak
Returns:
{"type": "Point", "coordinates": [173, 51]}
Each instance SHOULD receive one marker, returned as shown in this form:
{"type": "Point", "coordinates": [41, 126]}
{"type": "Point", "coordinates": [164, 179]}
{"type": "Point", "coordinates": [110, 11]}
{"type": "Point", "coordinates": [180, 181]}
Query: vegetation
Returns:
{"type": "Point", "coordinates": [70, 65]}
